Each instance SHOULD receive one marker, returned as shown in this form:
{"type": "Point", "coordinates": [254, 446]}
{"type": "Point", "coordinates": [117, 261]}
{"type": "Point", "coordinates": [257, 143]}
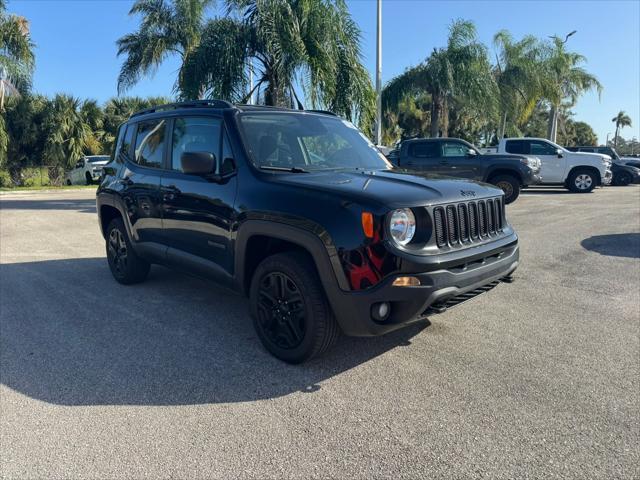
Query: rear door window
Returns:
{"type": "Point", "coordinates": [517, 146]}
{"type": "Point", "coordinates": [424, 150]}
{"type": "Point", "coordinates": [150, 139]}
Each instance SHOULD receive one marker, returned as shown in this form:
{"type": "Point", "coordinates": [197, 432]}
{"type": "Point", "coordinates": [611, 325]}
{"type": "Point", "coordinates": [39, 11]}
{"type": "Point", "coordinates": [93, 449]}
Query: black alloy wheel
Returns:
{"type": "Point", "coordinates": [281, 310]}
{"type": "Point", "coordinates": [117, 251]}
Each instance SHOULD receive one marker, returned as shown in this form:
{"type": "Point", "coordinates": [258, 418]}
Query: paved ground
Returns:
{"type": "Point", "coordinates": [538, 379]}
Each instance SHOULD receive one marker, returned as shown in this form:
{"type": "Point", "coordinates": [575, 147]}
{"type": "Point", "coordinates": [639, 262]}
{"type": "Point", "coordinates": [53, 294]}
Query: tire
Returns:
{"type": "Point", "coordinates": [289, 308]}
{"type": "Point", "coordinates": [125, 265]}
{"type": "Point", "coordinates": [88, 178]}
{"type": "Point", "coordinates": [68, 181]}
{"type": "Point", "coordinates": [581, 181]}
{"type": "Point", "coordinates": [509, 185]}
{"type": "Point", "coordinates": [622, 179]}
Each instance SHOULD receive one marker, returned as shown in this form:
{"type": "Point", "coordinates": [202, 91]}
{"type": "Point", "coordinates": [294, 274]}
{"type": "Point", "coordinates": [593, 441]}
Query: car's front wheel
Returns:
{"type": "Point", "coordinates": [125, 265]}
{"type": "Point", "coordinates": [581, 181]}
{"type": "Point", "coordinates": [509, 185]}
{"type": "Point", "coordinates": [289, 308]}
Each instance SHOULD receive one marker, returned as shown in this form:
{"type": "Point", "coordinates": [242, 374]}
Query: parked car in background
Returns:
{"type": "Point", "coordinates": [300, 212]}
{"type": "Point", "coordinates": [87, 170]}
{"type": "Point", "coordinates": [624, 172]}
{"type": "Point", "coordinates": [454, 157]}
{"type": "Point", "coordinates": [576, 171]}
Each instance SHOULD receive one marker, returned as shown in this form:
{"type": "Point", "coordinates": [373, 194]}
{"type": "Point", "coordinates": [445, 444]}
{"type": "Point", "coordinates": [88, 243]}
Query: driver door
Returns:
{"type": "Point", "coordinates": [457, 161]}
{"type": "Point", "coordinates": [553, 167]}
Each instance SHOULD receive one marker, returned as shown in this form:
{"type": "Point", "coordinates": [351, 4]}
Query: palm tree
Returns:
{"type": "Point", "coordinates": [16, 66]}
{"type": "Point", "coordinates": [621, 120]}
{"type": "Point", "coordinates": [67, 131]}
{"type": "Point", "coordinates": [16, 54]}
{"type": "Point", "coordinates": [519, 79]}
{"type": "Point", "coordinates": [459, 73]}
{"type": "Point", "coordinates": [564, 80]}
{"type": "Point", "coordinates": [310, 44]}
{"type": "Point", "coordinates": [167, 28]}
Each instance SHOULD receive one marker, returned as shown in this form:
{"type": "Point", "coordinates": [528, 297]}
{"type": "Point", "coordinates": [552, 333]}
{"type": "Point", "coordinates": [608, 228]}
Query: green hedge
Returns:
{"type": "Point", "coordinates": [5, 179]}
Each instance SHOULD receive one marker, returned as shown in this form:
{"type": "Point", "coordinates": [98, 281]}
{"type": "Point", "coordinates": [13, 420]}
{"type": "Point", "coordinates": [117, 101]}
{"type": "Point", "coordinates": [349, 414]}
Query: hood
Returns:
{"type": "Point", "coordinates": [601, 156]}
{"type": "Point", "coordinates": [391, 188]}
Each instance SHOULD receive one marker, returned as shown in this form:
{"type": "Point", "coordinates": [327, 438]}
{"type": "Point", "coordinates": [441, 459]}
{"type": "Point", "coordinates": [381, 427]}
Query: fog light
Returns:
{"type": "Point", "coordinates": [380, 311]}
{"type": "Point", "coordinates": [406, 282]}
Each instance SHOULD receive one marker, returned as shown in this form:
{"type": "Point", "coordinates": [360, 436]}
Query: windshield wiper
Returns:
{"type": "Point", "coordinates": [284, 169]}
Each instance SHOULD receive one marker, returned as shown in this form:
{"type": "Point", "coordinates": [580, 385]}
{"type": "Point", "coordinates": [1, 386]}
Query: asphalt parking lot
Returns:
{"type": "Point", "coordinates": [536, 379]}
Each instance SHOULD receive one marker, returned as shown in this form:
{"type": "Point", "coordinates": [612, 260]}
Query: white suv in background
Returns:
{"type": "Point", "coordinates": [87, 170]}
{"type": "Point", "coordinates": [577, 171]}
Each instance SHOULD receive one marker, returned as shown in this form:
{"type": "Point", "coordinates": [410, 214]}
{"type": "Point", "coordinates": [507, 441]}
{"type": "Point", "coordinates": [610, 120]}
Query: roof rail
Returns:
{"type": "Point", "coordinates": [191, 104]}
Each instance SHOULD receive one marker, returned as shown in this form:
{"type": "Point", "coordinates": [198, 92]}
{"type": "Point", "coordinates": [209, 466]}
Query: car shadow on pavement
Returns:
{"type": "Point", "coordinates": [71, 335]}
{"type": "Point", "coordinates": [79, 205]}
{"type": "Point", "coordinates": [614, 245]}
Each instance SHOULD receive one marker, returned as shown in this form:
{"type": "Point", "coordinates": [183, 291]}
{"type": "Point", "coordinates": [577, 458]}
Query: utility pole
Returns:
{"type": "Point", "coordinates": [606, 143]}
{"type": "Point", "coordinates": [379, 77]}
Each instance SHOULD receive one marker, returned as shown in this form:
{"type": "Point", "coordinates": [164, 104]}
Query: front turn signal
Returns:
{"type": "Point", "coordinates": [367, 224]}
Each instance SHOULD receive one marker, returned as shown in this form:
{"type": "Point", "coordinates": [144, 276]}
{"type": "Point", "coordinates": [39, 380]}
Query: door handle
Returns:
{"type": "Point", "coordinates": [125, 181]}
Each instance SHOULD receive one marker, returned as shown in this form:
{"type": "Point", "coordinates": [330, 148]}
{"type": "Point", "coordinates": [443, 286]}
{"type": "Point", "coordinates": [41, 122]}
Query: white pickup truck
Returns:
{"type": "Point", "coordinates": [577, 171]}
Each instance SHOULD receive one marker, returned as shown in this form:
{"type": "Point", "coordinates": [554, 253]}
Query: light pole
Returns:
{"type": "Point", "coordinates": [379, 76]}
{"type": "Point", "coordinates": [606, 143]}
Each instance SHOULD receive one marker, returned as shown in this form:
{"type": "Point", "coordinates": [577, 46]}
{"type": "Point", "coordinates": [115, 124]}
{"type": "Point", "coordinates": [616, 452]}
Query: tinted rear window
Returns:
{"type": "Point", "coordinates": [424, 150]}
{"type": "Point", "coordinates": [517, 146]}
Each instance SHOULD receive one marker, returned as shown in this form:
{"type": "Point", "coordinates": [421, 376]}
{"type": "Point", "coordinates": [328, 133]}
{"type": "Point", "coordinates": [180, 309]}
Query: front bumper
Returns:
{"type": "Point", "coordinates": [438, 289]}
{"type": "Point", "coordinates": [534, 179]}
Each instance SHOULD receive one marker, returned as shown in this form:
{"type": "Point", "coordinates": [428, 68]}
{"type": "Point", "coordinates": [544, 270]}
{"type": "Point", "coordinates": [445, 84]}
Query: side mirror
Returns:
{"type": "Point", "coordinates": [559, 153]}
{"type": "Point", "coordinates": [471, 153]}
{"type": "Point", "coordinates": [197, 163]}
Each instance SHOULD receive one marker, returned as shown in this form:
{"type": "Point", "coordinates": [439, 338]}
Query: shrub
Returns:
{"type": "Point", "coordinates": [5, 179]}
{"type": "Point", "coordinates": [35, 177]}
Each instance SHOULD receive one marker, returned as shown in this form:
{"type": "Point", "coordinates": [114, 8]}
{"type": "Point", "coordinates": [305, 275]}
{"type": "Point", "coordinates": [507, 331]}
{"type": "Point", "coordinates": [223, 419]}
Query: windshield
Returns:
{"type": "Point", "coordinates": [102, 158]}
{"type": "Point", "coordinates": [309, 142]}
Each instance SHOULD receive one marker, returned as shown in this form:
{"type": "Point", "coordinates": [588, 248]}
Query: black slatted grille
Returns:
{"type": "Point", "coordinates": [457, 224]}
{"type": "Point", "coordinates": [473, 220]}
{"type": "Point", "coordinates": [452, 225]}
{"type": "Point", "coordinates": [438, 223]}
{"type": "Point", "coordinates": [463, 222]}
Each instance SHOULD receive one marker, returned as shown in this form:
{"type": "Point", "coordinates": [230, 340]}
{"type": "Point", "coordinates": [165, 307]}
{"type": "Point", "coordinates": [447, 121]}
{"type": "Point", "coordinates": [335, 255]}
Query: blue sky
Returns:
{"type": "Point", "coordinates": [76, 50]}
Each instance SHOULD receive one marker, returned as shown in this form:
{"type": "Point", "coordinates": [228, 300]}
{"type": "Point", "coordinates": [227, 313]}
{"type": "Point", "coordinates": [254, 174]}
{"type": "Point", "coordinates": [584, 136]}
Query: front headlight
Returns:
{"type": "Point", "coordinates": [402, 225]}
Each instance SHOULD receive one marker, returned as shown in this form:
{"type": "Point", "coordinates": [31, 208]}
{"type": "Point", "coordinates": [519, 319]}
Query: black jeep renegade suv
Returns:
{"type": "Point", "coordinates": [299, 211]}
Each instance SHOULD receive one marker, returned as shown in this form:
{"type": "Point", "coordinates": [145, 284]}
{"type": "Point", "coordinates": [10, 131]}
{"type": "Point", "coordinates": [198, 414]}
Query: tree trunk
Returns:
{"type": "Point", "coordinates": [504, 125]}
{"type": "Point", "coordinates": [552, 132]}
{"type": "Point", "coordinates": [615, 139]}
{"type": "Point", "coordinates": [444, 113]}
{"type": "Point", "coordinates": [436, 107]}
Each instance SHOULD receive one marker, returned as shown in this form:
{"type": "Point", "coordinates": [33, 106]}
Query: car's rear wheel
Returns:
{"type": "Point", "coordinates": [68, 181]}
{"type": "Point", "coordinates": [125, 265]}
{"type": "Point", "coordinates": [509, 185]}
{"type": "Point", "coordinates": [581, 181]}
{"type": "Point", "coordinates": [289, 309]}
{"type": "Point", "coordinates": [88, 178]}
{"type": "Point", "coordinates": [622, 179]}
